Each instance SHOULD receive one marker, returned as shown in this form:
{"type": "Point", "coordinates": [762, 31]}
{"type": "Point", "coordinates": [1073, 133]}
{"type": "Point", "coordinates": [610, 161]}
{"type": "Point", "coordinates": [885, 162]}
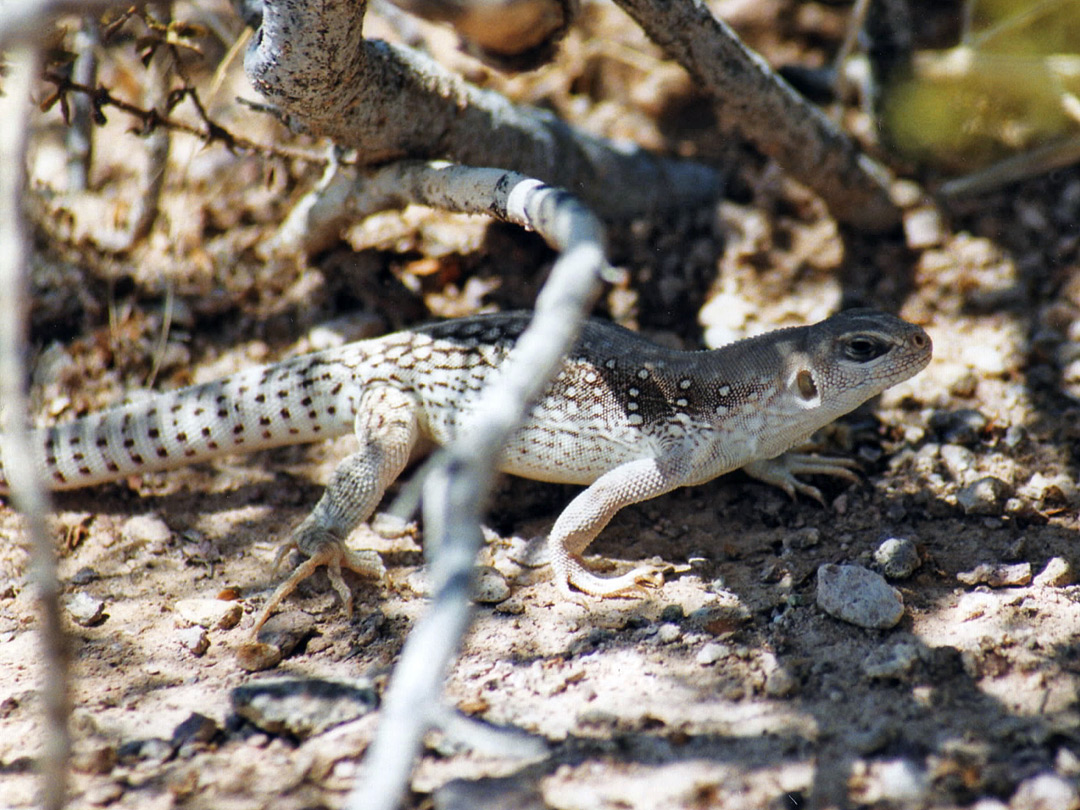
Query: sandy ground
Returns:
{"type": "Point", "coordinates": [728, 687]}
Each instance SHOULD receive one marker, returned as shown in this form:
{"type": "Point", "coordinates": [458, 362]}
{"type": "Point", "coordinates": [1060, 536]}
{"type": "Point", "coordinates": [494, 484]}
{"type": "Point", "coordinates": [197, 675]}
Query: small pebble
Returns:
{"type": "Point", "coordinates": [1047, 791]}
{"type": "Point", "coordinates": [1049, 489]}
{"type": "Point", "coordinates": [84, 576]}
{"type": "Point", "coordinates": [104, 794]}
{"type": "Point", "coordinates": [196, 728]}
{"type": "Point", "coordinates": [893, 662]}
{"type": "Point", "coordinates": [986, 496]}
{"type": "Point", "coordinates": [256, 656]}
{"type": "Point", "coordinates": [672, 613]}
{"type": "Point", "coordinates": [959, 462]}
{"type": "Point", "coordinates": [95, 757]}
{"type": "Point", "coordinates": [802, 539]}
{"type": "Point", "coordinates": [194, 639]}
{"type": "Point", "coordinates": [212, 614]}
{"type": "Point", "coordinates": [923, 228]}
{"type": "Point", "coordinates": [277, 638]}
{"type": "Point", "coordinates": [150, 530]}
{"type": "Point", "coordinates": [963, 426]}
{"type": "Point", "coordinates": [897, 557]}
{"type": "Point", "coordinates": [1057, 574]}
{"type": "Point", "coordinates": [779, 682]}
{"type": "Point", "coordinates": [901, 782]}
{"type": "Point", "coordinates": [711, 653]}
{"type": "Point", "coordinates": [85, 610]}
{"type": "Point", "coordinates": [984, 358]}
{"type": "Point", "coordinates": [858, 596]}
{"type": "Point", "coordinates": [669, 633]}
{"type": "Point", "coordinates": [1015, 437]}
{"type": "Point", "coordinates": [997, 576]}
{"type": "Point", "coordinates": [489, 586]}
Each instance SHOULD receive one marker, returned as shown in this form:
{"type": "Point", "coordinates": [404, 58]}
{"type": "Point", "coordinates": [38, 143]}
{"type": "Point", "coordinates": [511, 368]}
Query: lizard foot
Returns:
{"type": "Point", "coordinates": [571, 571]}
{"type": "Point", "coordinates": [782, 471]}
{"type": "Point", "coordinates": [332, 553]}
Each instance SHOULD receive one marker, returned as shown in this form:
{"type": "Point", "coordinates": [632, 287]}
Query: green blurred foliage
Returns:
{"type": "Point", "coordinates": [1013, 85]}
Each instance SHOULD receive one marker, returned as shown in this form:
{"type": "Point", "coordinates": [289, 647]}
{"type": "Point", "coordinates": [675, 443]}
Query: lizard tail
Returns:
{"type": "Point", "coordinates": [258, 408]}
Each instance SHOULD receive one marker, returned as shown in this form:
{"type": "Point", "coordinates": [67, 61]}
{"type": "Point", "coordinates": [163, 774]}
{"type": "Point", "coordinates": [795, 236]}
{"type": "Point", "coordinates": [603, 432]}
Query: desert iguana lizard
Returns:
{"type": "Point", "coordinates": [629, 419]}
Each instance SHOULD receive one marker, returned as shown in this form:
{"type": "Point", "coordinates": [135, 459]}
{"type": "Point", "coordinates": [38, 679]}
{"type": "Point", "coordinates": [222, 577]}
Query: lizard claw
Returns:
{"type": "Point", "coordinates": [328, 551]}
{"type": "Point", "coordinates": [571, 571]}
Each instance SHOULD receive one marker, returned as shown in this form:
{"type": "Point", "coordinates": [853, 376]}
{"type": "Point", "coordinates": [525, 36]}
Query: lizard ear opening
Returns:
{"type": "Point", "coordinates": [808, 389]}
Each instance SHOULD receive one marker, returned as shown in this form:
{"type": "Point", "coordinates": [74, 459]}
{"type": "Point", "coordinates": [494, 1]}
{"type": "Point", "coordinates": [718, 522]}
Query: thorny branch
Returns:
{"type": "Point", "coordinates": [151, 119]}
{"type": "Point", "coordinates": [27, 491]}
{"type": "Point", "coordinates": [458, 481]}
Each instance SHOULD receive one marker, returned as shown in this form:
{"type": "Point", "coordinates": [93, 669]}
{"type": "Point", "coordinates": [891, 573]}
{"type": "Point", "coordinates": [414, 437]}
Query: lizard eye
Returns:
{"type": "Point", "coordinates": [862, 348]}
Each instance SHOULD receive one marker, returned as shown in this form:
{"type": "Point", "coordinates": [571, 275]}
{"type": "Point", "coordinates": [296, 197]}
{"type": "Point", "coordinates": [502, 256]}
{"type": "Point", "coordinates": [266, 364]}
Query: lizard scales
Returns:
{"type": "Point", "coordinates": [625, 416]}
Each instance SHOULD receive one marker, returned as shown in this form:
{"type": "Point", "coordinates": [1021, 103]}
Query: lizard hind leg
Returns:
{"type": "Point", "coordinates": [587, 515]}
{"type": "Point", "coordinates": [387, 429]}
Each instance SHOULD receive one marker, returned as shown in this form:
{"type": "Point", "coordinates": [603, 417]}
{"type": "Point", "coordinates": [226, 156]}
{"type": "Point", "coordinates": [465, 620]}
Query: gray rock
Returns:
{"type": "Point", "coordinates": [986, 496]}
{"type": "Point", "coordinates": [858, 596]}
{"type": "Point", "coordinates": [302, 708]}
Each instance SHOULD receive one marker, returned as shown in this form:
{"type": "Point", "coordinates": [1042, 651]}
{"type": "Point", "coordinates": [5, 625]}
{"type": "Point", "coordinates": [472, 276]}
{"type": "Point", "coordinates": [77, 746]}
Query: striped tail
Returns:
{"type": "Point", "coordinates": [303, 400]}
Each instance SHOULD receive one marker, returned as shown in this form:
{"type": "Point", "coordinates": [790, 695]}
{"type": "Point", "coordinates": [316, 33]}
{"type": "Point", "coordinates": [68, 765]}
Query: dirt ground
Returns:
{"type": "Point", "coordinates": [726, 688]}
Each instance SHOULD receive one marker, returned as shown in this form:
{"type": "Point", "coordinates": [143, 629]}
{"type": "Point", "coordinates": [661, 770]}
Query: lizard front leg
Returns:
{"type": "Point", "coordinates": [387, 429]}
{"type": "Point", "coordinates": [590, 512]}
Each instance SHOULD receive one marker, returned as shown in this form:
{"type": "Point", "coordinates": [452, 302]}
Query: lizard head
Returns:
{"type": "Point", "coordinates": [855, 355]}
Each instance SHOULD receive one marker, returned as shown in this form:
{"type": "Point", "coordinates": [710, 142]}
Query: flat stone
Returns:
{"type": "Point", "coordinates": [858, 596]}
{"type": "Point", "coordinates": [302, 708]}
{"type": "Point", "coordinates": [213, 614]}
{"type": "Point", "coordinates": [997, 576]}
{"type": "Point", "coordinates": [1057, 574]}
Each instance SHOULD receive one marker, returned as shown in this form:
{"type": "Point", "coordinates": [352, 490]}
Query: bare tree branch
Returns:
{"type": "Point", "coordinates": [389, 102]}
{"type": "Point", "coordinates": [27, 491]}
{"type": "Point", "coordinates": [459, 478]}
{"type": "Point", "coordinates": [753, 101]}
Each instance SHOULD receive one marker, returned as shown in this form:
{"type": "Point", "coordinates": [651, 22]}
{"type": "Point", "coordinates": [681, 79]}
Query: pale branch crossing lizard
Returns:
{"type": "Point", "coordinates": [629, 419]}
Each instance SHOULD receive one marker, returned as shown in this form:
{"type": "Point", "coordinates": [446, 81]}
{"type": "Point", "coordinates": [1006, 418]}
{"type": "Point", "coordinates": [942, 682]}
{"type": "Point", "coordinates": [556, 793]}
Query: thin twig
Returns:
{"type": "Point", "coordinates": [150, 119]}
{"type": "Point", "coordinates": [457, 483]}
{"type": "Point", "coordinates": [27, 491]}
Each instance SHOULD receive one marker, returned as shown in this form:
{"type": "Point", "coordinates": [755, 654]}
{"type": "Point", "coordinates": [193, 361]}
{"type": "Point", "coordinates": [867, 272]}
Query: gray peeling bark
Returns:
{"type": "Point", "coordinates": [752, 100]}
{"type": "Point", "coordinates": [388, 103]}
